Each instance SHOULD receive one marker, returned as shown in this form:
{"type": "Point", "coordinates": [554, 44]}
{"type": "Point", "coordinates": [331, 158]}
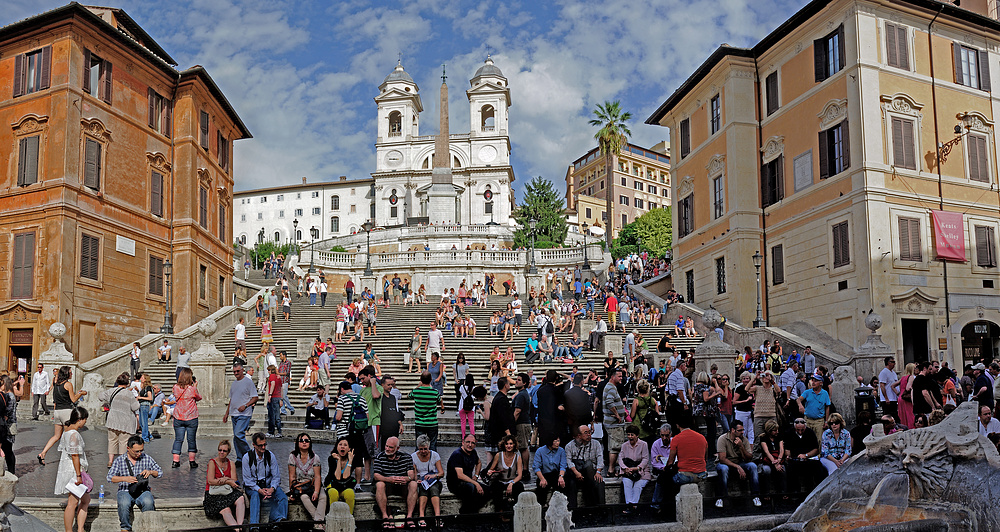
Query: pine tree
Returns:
{"type": "Point", "coordinates": [542, 203]}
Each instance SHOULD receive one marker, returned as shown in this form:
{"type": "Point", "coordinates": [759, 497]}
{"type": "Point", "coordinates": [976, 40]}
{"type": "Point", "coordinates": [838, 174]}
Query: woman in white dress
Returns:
{"type": "Point", "coordinates": [73, 470]}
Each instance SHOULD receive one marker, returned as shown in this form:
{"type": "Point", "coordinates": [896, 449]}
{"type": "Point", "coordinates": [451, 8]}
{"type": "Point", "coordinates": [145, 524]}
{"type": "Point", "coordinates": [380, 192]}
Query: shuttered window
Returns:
{"type": "Point", "coordinates": [909, 239]}
{"type": "Point", "coordinates": [716, 111]}
{"type": "Point", "coordinates": [160, 111]}
{"type": "Point", "coordinates": [686, 215]}
{"type": "Point", "coordinates": [156, 194]}
{"type": "Point", "coordinates": [90, 256]}
{"type": "Point", "coordinates": [222, 150]}
{"type": "Point", "coordinates": [97, 76]}
{"type": "Point", "coordinates": [92, 164]}
{"type": "Point", "coordinates": [202, 282]}
{"type": "Point", "coordinates": [771, 92]}
{"type": "Point", "coordinates": [979, 161]}
{"type": "Point", "coordinates": [772, 181]}
{"type": "Point", "coordinates": [841, 245]}
{"type": "Point", "coordinates": [903, 150]}
{"type": "Point", "coordinates": [897, 46]}
{"type": "Point", "coordinates": [27, 161]}
{"type": "Point", "coordinates": [23, 274]}
{"type": "Point", "coordinates": [32, 71]}
{"type": "Point", "coordinates": [777, 265]}
{"type": "Point", "coordinates": [972, 67]}
{"type": "Point", "coordinates": [685, 137]}
{"type": "Point", "coordinates": [155, 275]}
{"type": "Point", "coordinates": [829, 54]}
{"type": "Point", "coordinates": [222, 223]}
{"type": "Point", "coordinates": [834, 150]}
{"type": "Point", "coordinates": [720, 275]}
{"type": "Point", "coordinates": [203, 207]}
{"type": "Point", "coordinates": [204, 130]}
{"type": "Point", "coordinates": [986, 247]}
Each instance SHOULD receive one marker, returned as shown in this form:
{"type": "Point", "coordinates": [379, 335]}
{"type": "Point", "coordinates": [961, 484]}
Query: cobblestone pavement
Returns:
{"type": "Point", "coordinates": [39, 481]}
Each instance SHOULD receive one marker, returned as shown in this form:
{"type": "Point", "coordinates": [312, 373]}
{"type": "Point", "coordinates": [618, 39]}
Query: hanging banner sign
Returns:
{"type": "Point", "coordinates": [949, 235]}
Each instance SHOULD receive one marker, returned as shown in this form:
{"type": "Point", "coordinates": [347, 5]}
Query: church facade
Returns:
{"type": "Point", "coordinates": [472, 185]}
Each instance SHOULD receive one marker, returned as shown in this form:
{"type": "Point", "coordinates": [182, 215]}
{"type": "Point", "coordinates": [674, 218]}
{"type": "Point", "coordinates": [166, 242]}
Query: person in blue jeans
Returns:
{"type": "Point", "coordinates": [242, 396]}
{"type": "Point", "coordinates": [262, 482]}
{"type": "Point", "coordinates": [145, 398]}
{"type": "Point", "coordinates": [735, 456]}
{"type": "Point", "coordinates": [128, 469]}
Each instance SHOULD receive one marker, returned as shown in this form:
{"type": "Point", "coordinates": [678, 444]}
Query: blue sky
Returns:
{"type": "Point", "coordinates": [303, 74]}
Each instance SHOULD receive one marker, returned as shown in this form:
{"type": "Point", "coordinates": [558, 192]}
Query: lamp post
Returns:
{"type": "Point", "coordinates": [532, 223]}
{"type": "Point", "coordinates": [368, 226]}
{"type": "Point", "coordinates": [314, 234]}
{"type": "Point", "coordinates": [757, 260]}
{"type": "Point", "coordinates": [260, 240]}
{"type": "Point", "coordinates": [168, 322]}
{"type": "Point", "coordinates": [586, 263]}
{"type": "Point", "coordinates": [295, 234]}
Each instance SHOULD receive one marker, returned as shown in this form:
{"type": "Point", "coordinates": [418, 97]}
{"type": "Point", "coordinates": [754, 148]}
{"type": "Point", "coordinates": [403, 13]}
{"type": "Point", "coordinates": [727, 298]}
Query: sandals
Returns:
{"type": "Point", "coordinates": [42, 460]}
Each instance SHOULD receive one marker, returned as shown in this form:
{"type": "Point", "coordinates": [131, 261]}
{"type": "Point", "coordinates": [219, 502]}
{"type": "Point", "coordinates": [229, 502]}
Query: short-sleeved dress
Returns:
{"type": "Point", "coordinates": [70, 444]}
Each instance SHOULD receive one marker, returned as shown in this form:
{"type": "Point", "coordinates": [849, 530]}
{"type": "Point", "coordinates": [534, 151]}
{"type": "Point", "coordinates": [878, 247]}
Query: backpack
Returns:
{"type": "Point", "coordinates": [650, 421]}
{"type": "Point", "coordinates": [549, 328]}
{"type": "Point", "coordinates": [775, 364]}
{"type": "Point", "coordinates": [469, 403]}
{"type": "Point", "coordinates": [359, 418]}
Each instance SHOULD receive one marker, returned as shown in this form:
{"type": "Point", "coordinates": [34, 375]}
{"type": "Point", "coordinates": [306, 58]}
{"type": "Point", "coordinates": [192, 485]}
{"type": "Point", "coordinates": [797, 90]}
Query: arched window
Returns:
{"type": "Point", "coordinates": [298, 234]}
{"type": "Point", "coordinates": [243, 239]}
{"type": "Point", "coordinates": [395, 124]}
{"type": "Point", "coordinates": [455, 162]}
{"type": "Point", "coordinates": [334, 203]}
{"type": "Point", "coordinates": [427, 162]}
{"type": "Point", "coordinates": [335, 224]}
{"type": "Point", "coordinates": [277, 236]}
{"type": "Point", "coordinates": [489, 118]}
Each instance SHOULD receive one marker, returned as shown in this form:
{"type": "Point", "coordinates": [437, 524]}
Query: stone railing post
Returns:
{"type": "Point", "coordinates": [208, 365]}
{"type": "Point", "coordinates": [339, 519]}
{"type": "Point", "coordinates": [527, 513]}
{"type": "Point", "coordinates": [689, 507]}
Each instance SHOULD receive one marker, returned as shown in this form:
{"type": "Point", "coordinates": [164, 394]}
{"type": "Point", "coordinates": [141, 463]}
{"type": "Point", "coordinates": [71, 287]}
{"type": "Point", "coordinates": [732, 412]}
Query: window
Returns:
{"type": "Point", "coordinates": [334, 203]}
{"type": "Point", "coordinates": [604, 216]}
{"type": "Point", "coordinates": [298, 212]}
{"type": "Point", "coordinates": [281, 214]}
{"type": "Point", "coordinates": [651, 189]}
{"type": "Point", "coordinates": [689, 285]}
{"type": "Point", "coordinates": [243, 218]}
{"type": "Point", "coordinates": [92, 164]}
{"type": "Point", "coordinates": [203, 122]}
{"type": "Point", "coordinates": [96, 76]}
{"type": "Point", "coordinates": [222, 150]}
{"type": "Point", "coordinates": [903, 150]}
{"type": "Point", "coordinates": [156, 193]}
{"type": "Point", "coordinates": [772, 181]}
{"type": "Point", "coordinates": [27, 161]}
{"type": "Point", "coordinates": [335, 224]}
{"type": "Point", "coordinates": [298, 195]}
{"type": "Point", "coordinates": [624, 182]}
{"type": "Point", "coordinates": [222, 223]}
{"type": "Point", "coordinates": [771, 92]}
{"type": "Point", "coordinates": [972, 67]}
{"type": "Point", "coordinates": [263, 199]}
{"type": "Point", "coordinates": [602, 185]}
{"type": "Point", "coordinates": [222, 291]}
{"type": "Point", "coordinates": [666, 192]}
{"type": "Point", "coordinates": [589, 213]}
{"type": "Point", "coordinates": [718, 204]}
{"type": "Point", "coordinates": [685, 137]}
{"type": "Point", "coordinates": [90, 256]}
{"type": "Point", "coordinates": [488, 207]}
{"type": "Point", "coordinates": [986, 247]}
{"type": "Point", "coordinates": [315, 194]}
{"type": "Point", "coordinates": [624, 219]}
{"type": "Point", "coordinates": [260, 216]}
{"type": "Point", "coordinates": [897, 53]}
{"type": "Point", "coordinates": [281, 197]}
{"type": "Point", "coordinates": [979, 161]}
{"type": "Point", "coordinates": [203, 207]}
{"type": "Point", "coordinates": [716, 110]}
{"type": "Point", "coordinates": [159, 112]}
{"type": "Point", "coordinates": [777, 265]}
{"type": "Point", "coordinates": [909, 239]}
{"type": "Point", "coordinates": [834, 151]}
{"type": "Point", "coordinates": [637, 185]}
{"type": "Point", "coordinates": [277, 236]}
{"type": "Point", "coordinates": [393, 212]}
{"type": "Point", "coordinates": [623, 200]}
{"type": "Point", "coordinates": [23, 274]}
{"type": "Point", "coordinates": [652, 205]}
{"type": "Point", "coordinates": [316, 211]}
{"type": "Point", "coordinates": [638, 203]}
{"type": "Point", "coordinates": [354, 209]}
{"type": "Point", "coordinates": [155, 275]}
{"type": "Point", "coordinates": [32, 71]}
{"type": "Point", "coordinates": [828, 54]}
{"type": "Point", "coordinates": [202, 282]}
{"type": "Point", "coordinates": [685, 217]}
{"type": "Point", "coordinates": [841, 245]}
{"type": "Point", "coordinates": [720, 275]}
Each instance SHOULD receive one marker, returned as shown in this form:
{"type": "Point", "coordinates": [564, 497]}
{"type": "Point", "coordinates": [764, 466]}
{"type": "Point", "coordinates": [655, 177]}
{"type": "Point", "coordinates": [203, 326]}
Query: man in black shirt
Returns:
{"type": "Point", "coordinates": [551, 412]}
{"type": "Point", "coordinates": [803, 448]}
{"type": "Point", "coordinates": [982, 389]}
{"type": "Point", "coordinates": [926, 393]}
{"type": "Point", "coordinates": [524, 414]}
{"type": "Point", "coordinates": [579, 407]}
{"type": "Point", "coordinates": [463, 472]}
{"type": "Point", "coordinates": [392, 418]}
{"type": "Point", "coordinates": [501, 414]}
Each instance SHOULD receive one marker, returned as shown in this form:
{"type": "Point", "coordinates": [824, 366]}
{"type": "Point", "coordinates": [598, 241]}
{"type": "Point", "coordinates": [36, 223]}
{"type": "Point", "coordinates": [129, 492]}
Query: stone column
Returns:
{"type": "Point", "coordinates": [713, 350]}
{"type": "Point", "coordinates": [210, 366]}
{"type": "Point", "coordinates": [339, 518]}
{"type": "Point", "coordinates": [868, 358]}
{"type": "Point", "coordinates": [842, 393]}
{"type": "Point", "coordinates": [370, 283]}
{"type": "Point", "coordinates": [689, 507]}
{"type": "Point", "coordinates": [527, 513]}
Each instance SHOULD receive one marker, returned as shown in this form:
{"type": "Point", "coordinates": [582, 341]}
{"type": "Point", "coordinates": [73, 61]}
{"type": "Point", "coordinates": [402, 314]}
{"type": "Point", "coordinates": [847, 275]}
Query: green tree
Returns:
{"type": "Point", "coordinates": [260, 252]}
{"type": "Point", "coordinates": [651, 232]}
{"type": "Point", "coordinates": [542, 203]}
{"type": "Point", "coordinates": [611, 139]}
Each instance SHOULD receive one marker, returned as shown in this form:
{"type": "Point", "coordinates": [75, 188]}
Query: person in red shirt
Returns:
{"type": "Point", "coordinates": [687, 450]}
{"type": "Point", "coordinates": [611, 307]}
{"type": "Point", "coordinates": [273, 403]}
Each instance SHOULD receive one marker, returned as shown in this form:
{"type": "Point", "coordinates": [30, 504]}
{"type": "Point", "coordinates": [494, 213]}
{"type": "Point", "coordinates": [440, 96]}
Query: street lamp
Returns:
{"type": "Point", "coordinates": [532, 223]}
{"type": "Point", "coordinates": [368, 226]}
{"type": "Point", "coordinates": [260, 240]}
{"type": "Point", "coordinates": [295, 234]}
{"type": "Point", "coordinates": [757, 260]}
{"type": "Point", "coordinates": [586, 263]}
{"type": "Point", "coordinates": [168, 323]}
{"type": "Point", "coordinates": [314, 234]}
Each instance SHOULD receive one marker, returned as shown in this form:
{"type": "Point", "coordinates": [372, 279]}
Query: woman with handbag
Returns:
{"type": "Point", "coordinates": [505, 475]}
{"type": "Point", "coordinates": [430, 476]}
{"type": "Point", "coordinates": [645, 412]}
{"type": "Point", "coordinates": [122, 407]}
{"type": "Point", "coordinates": [73, 471]}
{"type": "Point", "coordinates": [765, 396]}
{"type": "Point", "coordinates": [905, 402]}
{"type": "Point", "coordinates": [223, 494]}
{"type": "Point", "coordinates": [340, 480]}
{"type": "Point", "coordinates": [304, 472]}
{"type": "Point", "coordinates": [63, 398]}
{"type": "Point", "coordinates": [185, 417]}
{"type": "Point", "coordinates": [633, 461]}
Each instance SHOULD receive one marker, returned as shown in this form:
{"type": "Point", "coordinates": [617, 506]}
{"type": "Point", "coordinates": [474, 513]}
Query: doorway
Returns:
{"type": "Point", "coordinates": [979, 342]}
{"type": "Point", "coordinates": [916, 346]}
{"type": "Point", "coordinates": [20, 359]}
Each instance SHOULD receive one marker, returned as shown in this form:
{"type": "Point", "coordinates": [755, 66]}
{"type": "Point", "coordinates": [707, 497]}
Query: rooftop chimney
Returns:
{"type": "Point", "coordinates": [303, 180]}
{"type": "Point", "coordinates": [343, 178]}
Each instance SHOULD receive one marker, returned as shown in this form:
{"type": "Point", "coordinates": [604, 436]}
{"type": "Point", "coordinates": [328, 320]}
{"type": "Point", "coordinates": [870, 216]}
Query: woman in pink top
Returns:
{"type": "Point", "coordinates": [186, 416]}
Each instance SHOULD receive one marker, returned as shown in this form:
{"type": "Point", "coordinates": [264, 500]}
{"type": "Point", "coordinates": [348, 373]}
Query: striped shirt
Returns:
{"type": "Point", "coordinates": [425, 401]}
{"type": "Point", "coordinates": [677, 384]}
{"type": "Point", "coordinates": [399, 466]}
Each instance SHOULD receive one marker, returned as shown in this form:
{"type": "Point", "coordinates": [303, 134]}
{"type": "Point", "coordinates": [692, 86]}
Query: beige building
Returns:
{"type": "Point", "coordinates": [642, 183]}
{"type": "Point", "coordinates": [816, 147]}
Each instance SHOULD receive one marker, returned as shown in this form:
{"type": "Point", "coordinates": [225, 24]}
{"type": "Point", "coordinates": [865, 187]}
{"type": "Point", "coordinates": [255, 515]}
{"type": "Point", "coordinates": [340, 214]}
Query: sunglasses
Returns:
{"type": "Point", "coordinates": [223, 450]}
{"type": "Point", "coordinates": [305, 440]}
{"type": "Point", "coordinates": [800, 422]}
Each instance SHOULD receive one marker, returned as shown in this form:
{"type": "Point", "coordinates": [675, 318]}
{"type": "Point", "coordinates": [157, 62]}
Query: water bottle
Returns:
{"type": "Point", "coordinates": [100, 496]}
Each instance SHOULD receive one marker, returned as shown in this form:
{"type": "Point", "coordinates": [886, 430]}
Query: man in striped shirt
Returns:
{"type": "Point", "coordinates": [425, 401]}
{"type": "Point", "coordinates": [394, 474]}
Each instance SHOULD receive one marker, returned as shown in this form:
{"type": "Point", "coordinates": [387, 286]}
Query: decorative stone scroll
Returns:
{"type": "Point", "coordinates": [834, 111]}
{"type": "Point", "coordinates": [902, 103]}
{"type": "Point", "coordinates": [30, 123]}
{"type": "Point", "coordinates": [686, 187]}
{"type": "Point", "coordinates": [773, 147]}
{"type": "Point", "coordinates": [158, 161]}
{"type": "Point", "coordinates": [716, 165]}
{"type": "Point", "coordinates": [976, 121]}
{"type": "Point", "coordinates": [205, 177]}
{"type": "Point", "coordinates": [96, 128]}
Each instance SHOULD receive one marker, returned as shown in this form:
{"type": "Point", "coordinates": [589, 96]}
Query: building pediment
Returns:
{"type": "Point", "coordinates": [423, 190]}
{"type": "Point", "coordinates": [914, 300]}
{"type": "Point", "coordinates": [18, 311]}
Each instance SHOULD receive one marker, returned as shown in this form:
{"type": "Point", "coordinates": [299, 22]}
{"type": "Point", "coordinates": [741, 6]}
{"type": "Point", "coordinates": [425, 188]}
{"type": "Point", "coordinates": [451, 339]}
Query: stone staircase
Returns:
{"type": "Point", "coordinates": [395, 327]}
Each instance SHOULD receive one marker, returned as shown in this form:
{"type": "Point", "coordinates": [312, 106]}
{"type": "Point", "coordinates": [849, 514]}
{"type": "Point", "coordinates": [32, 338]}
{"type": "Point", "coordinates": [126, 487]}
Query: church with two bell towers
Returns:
{"type": "Point", "coordinates": [443, 179]}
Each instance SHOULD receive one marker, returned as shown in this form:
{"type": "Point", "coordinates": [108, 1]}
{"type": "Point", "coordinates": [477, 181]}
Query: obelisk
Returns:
{"type": "Point", "coordinates": [441, 197]}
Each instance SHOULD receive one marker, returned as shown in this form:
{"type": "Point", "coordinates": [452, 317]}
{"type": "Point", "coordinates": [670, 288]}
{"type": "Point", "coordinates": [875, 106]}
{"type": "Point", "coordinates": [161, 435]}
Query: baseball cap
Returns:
{"type": "Point", "coordinates": [979, 366]}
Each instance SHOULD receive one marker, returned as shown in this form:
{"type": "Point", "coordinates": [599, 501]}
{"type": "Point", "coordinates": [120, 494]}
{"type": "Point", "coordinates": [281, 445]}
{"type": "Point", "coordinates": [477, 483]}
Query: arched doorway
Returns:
{"type": "Point", "coordinates": [980, 342]}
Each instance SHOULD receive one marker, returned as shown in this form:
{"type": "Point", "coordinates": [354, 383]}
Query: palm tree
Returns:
{"type": "Point", "coordinates": [611, 138]}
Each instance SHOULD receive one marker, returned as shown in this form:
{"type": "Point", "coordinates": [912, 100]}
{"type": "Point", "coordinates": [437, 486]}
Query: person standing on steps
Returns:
{"type": "Point", "coordinates": [134, 358]}
{"type": "Point", "coordinates": [63, 398]}
{"type": "Point", "coordinates": [242, 397]}
{"type": "Point", "coordinates": [416, 343]}
{"type": "Point", "coordinates": [323, 288]}
{"type": "Point", "coordinates": [426, 400]}
{"type": "Point", "coordinates": [246, 268]}
{"type": "Point", "coordinates": [349, 290]}
{"type": "Point", "coordinates": [284, 370]}
{"type": "Point", "coordinates": [41, 384]}
{"type": "Point", "coordinates": [185, 417]}
{"type": "Point", "coordinates": [435, 342]}
{"type": "Point", "coordinates": [273, 395]}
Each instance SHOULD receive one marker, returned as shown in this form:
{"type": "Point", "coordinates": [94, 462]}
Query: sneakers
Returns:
{"type": "Point", "coordinates": [718, 503]}
{"type": "Point", "coordinates": [756, 501]}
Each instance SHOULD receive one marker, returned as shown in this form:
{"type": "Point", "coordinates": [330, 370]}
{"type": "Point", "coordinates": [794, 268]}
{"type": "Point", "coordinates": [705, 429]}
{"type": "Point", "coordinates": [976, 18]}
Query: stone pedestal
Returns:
{"type": "Point", "coordinates": [339, 519]}
{"type": "Point", "coordinates": [532, 279]}
{"type": "Point", "coordinates": [326, 329]}
{"type": "Point", "coordinates": [869, 357]}
{"type": "Point", "coordinates": [303, 348]}
{"type": "Point", "coordinates": [369, 282]}
{"type": "Point", "coordinates": [57, 355]}
{"type": "Point", "coordinates": [209, 366]}
{"type": "Point", "coordinates": [842, 393]}
{"type": "Point", "coordinates": [713, 350]}
{"type": "Point", "coordinates": [689, 507]}
{"type": "Point", "coordinates": [611, 343]}
{"type": "Point", "coordinates": [527, 513]}
{"type": "Point", "coordinates": [148, 522]}
{"type": "Point", "coordinates": [585, 327]}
